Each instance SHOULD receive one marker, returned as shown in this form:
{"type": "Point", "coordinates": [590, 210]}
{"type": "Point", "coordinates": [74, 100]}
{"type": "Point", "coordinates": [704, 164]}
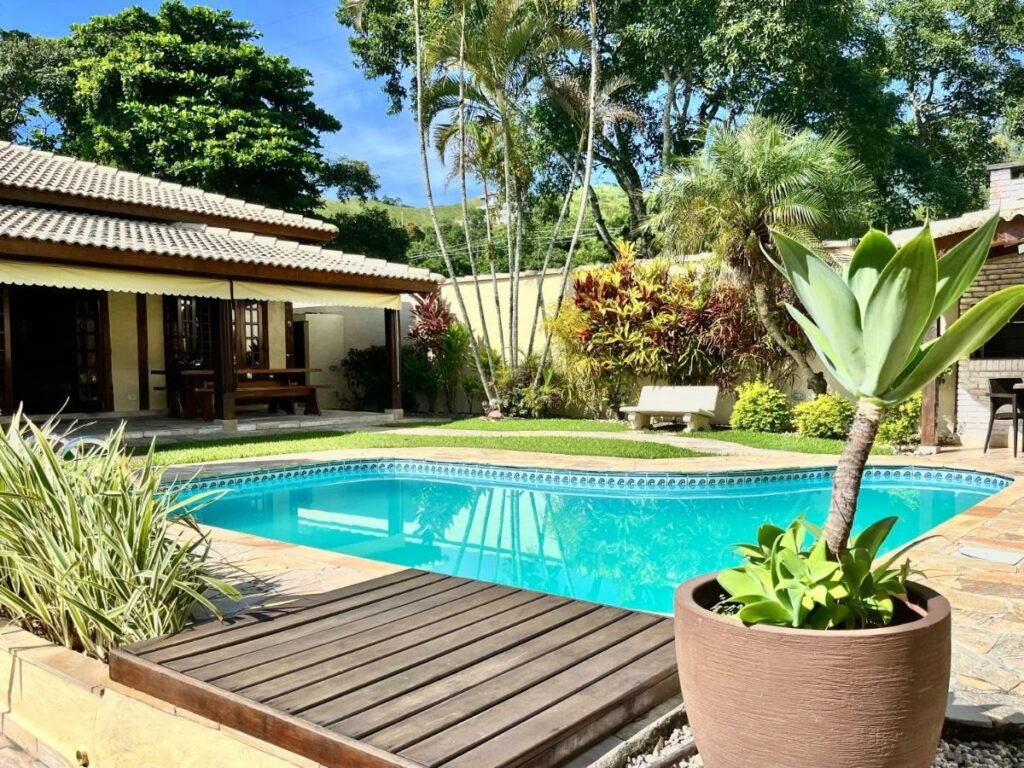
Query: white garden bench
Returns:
{"type": "Point", "coordinates": [694, 404]}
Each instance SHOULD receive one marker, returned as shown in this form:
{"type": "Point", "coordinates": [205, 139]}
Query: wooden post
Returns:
{"type": "Point", "coordinates": [225, 376]}
{"type": "Point", "coordinates": [142, 339]}
{"type": "Point", "coordinates": [393, 345]}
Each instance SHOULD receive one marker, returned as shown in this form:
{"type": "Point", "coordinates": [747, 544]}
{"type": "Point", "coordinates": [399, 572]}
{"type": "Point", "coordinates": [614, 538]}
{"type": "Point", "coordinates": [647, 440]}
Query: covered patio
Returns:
{"type": "Point", "coordinates": [129, 296]}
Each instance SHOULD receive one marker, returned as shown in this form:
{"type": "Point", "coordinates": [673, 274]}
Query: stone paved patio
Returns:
{"type": "Point", "coordinates": [976, 559]}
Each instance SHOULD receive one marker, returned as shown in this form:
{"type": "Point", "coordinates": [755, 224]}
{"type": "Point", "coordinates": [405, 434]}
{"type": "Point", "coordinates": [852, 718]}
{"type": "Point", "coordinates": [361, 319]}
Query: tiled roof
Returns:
{"type": "Point", "coordinates": [33, 169]}
{"type": "Point", "coordinates": [193, 241]}
{"type": "Point", "coordinates": [967, 222]}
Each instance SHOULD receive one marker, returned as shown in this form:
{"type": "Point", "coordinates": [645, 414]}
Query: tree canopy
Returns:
{"type": "Point", "coordinates": [927, 92]}
{"type": "Point", "coordinates": [187, 94]}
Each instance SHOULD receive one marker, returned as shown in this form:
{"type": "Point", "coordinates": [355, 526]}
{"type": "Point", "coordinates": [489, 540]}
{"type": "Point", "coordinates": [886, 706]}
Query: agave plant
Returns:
{"type": "Point", "coordinates": [869, 326]}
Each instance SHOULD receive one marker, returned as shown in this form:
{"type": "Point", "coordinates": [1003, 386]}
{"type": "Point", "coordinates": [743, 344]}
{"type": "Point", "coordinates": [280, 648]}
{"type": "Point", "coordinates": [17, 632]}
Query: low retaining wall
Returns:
{"type": "Point", "coordinates": [62, 708]}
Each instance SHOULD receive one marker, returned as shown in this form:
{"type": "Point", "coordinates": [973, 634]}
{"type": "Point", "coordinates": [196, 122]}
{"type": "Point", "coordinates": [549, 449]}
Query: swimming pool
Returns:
{"type": "Point", "coordinates": [614, 538]}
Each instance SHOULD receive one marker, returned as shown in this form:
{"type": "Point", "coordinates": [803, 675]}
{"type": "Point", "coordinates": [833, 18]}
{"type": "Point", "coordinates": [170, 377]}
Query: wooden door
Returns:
{"type": "Point", "coordinates": [91, 354]}
{"type": "Point", "coordinates": [6, 381]}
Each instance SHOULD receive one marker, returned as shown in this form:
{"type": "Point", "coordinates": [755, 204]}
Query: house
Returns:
{"type": "Point", "coordinates": [125, 294]}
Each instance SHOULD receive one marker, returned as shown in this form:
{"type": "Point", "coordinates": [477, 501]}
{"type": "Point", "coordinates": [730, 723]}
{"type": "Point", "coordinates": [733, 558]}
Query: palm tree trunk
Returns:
{"type": "Point", "coordinates": [815, 380]}
{"type": "Point", "coordinates": [599, 223]}
{"type": "Point", "coordinates": [588, 168]}
{"type": "Point", "coordinates": [849, 472]}
{"type": "Point", "coordinates": [539, 309]}
{"type": "Point", "coordinates": [666, 119]}
{"type": "Point", "coordinates": [488, 390]}
{"type": "Point", "coordinates": [511, 215]}
{"type": "Point", "coordinates": [494, 271]}
{"type": "Point", "coordinates": [465, 200]}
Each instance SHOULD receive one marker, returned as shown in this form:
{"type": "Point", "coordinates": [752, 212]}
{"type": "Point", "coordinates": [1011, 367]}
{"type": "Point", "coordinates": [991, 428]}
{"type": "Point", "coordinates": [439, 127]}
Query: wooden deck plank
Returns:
{"type": "Point", "coordinates": [247, 716]}
{"type": "Point", "coordinates": [371, 665]}
{"type": "Point", "coordinates": [473, 702]}
{"type": "Point", "coordinates": [278, 677]}
{"type": "Point", "coordinates": [213, 634]}
{"type": "Point", "coordinates": [470, 732]}
{"type": "Point", "coordinates": [415, 696]}
{"type": "Point", "coordinates": [236, 658]}
{"type": "Point", "coordinates": [417, 670]}
{"type": "Point", "coordinates": [385, 698]}
{"type": "Point", "coordinates": [524, 743]}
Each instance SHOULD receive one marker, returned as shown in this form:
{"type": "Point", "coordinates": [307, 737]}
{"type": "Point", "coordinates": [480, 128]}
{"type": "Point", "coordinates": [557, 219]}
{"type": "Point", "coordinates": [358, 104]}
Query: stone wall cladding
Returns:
{"type": "Point", "coordinates": [972, 383]}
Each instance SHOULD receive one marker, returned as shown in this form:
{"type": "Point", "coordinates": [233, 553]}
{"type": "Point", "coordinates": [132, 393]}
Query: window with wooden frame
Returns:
{"type": "Point", "coordinates": [189, 328]}
{"type": "Point", "coordinates": [250, 320]}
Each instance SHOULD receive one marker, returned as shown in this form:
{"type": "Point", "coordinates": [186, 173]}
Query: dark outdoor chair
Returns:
{"type": "Point", "coordinates": [1003, 406]}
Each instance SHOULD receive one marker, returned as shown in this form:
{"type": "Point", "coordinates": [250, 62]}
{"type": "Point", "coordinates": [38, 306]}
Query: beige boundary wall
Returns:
{"type": "Point", "coordinates": [62, 708]}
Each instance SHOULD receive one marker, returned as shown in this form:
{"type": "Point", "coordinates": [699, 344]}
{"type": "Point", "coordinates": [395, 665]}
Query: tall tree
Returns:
{"type": "Point", "coordinates": [760, 177]}
{"type": "Point", "coordinates": [27, 69]}
{"type": "Point", "coordinates": [186, 94]}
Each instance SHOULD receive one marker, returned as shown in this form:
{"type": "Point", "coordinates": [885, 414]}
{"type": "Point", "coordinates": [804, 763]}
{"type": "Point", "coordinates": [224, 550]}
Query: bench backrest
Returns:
{"type": "Point", "coordinates": [679, 398]}
{"type": "Point", "coordinates": [259, 383]}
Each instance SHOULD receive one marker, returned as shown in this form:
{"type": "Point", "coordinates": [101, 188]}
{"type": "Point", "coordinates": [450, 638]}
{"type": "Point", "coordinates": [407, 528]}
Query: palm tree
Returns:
{"type": "Point", "coordinates": [762, 176]}
{"type": "Point", "coordinates": [488, 64]}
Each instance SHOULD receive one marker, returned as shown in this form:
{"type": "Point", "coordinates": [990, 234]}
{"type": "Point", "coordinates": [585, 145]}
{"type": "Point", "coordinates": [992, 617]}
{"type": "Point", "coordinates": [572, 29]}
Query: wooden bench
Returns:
{"type": "Point", "coordinates": [695, 404]}
{"type": "Point", "coordinates": [276, 393]}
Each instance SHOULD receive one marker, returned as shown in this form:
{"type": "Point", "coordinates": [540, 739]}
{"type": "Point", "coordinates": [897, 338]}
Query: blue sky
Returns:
{"type": "Point", "coordinates": [307, 33]}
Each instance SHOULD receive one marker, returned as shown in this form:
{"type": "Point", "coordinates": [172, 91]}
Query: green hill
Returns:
{"type": "Point", "coordinates": [613, 205]}
{"type": "Point", "coordinates": [402, 214]}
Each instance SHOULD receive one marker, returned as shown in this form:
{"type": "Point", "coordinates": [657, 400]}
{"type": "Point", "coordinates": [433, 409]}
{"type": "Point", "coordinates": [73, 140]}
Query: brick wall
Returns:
{"type": "Point", "coordinates": [1004, 189]}
{"type": "Point", "coordinates": [972, 381]}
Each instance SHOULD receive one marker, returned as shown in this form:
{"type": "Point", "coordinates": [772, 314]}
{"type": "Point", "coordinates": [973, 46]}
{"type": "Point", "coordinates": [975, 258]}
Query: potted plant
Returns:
{"type": "Point", "coordinates": [810, 654]}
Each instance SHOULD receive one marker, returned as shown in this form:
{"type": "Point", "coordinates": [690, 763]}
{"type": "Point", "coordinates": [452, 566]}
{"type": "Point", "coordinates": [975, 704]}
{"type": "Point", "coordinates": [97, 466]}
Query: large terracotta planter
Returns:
{"type": "Point", "coordinates": [772, 697]}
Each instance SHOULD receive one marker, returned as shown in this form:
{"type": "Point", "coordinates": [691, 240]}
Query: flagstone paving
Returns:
{"type": "Point", "coordinates": [975, 559]}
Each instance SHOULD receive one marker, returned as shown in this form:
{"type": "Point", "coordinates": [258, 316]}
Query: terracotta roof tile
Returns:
{"type": "Point", "coordinates": [192, 241]}
{"type": "Point", "coordinates": [33, 169]}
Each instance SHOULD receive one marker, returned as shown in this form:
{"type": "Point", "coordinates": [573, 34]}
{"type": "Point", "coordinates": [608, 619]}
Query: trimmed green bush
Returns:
{"type": "Point", "coordinates": [829, 416]}
{"type": "Point", "coordinates": [94, 552]}
{"type": "Point", "coordinates": [761, 407]}
{"type": "Point", "coordinates": [901, 423]}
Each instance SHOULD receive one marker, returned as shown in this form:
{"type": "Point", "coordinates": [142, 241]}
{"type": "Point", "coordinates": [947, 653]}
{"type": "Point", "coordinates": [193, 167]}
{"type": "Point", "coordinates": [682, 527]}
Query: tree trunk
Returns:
{"type": "Point", "coordinates": [599, 223]}
{"type": "Point", "coordinates": [465, 197]}
{"type": "Point", "coordinates": [849, 472]}
{"type": "Point", "coordinates": [666, 119]}
{"type": "Point", "coordinates": [494, 271]}
{"type": "Point", "coordinates": [588, 168]}
{"type": "Point", "coordinates": [441, 244]}
{"type": "Point", "coordinates": [539, 309]}
{"type": "Point", "coordinates": [815, 380]}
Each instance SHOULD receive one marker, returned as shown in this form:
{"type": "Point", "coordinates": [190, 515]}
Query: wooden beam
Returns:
{"type": "Point", "coordinates": [112, 258]}
{"type": "Point", "coordinates": [930, 404]}
{"type": "Point", "coordinates": [393, 345]}
{"type": "Point", "coordinates": [142, 336]}
{"type": "Point", "coordinates": [141, 211]}
{"type": "Point", "coordinates": [225, 376]}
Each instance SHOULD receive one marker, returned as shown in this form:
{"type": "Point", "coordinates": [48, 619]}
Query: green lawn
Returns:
{"type": "Point", "coordinates": [785, 442]}
{"type": "Point", "coordinates": [535, 425]}
{"type": "Point", "coordinates": [276, 445]}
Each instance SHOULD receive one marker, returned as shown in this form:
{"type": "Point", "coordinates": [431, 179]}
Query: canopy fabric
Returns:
{"type": "Point", "coordinates": [98, 279]}
{"type": "Point", "coordinates": [125, 281]}
{"type": "Point", "coordinates": [303, 296]}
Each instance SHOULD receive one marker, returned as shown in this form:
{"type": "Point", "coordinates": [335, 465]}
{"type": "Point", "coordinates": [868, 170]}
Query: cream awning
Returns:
{"type": "Point", "coordinates": [303, 296]}
{"type": "Point", "coordinates": [126, 281]}
{"type": "Point", "coordinates": [98, 279]}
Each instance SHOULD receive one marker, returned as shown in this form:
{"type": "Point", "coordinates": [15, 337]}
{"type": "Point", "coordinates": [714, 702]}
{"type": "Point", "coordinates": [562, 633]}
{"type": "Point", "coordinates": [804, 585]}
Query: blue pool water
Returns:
{"type": "Point", "coordinates": [624, 540]}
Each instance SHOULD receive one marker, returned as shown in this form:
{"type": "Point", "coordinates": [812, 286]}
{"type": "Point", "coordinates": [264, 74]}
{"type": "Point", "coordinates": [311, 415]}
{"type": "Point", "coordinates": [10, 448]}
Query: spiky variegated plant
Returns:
{"type": "Point", "coordinates": [869, 327]}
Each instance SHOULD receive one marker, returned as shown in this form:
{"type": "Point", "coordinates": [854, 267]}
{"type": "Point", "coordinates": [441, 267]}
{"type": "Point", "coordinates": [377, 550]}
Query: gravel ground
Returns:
{"type": "Point", "coordinates": [952, 753]}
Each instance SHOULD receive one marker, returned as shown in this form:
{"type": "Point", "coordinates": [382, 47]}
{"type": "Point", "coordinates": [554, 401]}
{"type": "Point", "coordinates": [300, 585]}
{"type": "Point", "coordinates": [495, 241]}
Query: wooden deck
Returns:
{"type": "Point", "coordinates": [417, 669]}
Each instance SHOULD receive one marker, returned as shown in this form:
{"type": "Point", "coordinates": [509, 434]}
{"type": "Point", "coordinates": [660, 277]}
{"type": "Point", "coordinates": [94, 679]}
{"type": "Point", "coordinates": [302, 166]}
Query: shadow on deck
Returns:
{"type": "Point", "coordinates": [417, 669]}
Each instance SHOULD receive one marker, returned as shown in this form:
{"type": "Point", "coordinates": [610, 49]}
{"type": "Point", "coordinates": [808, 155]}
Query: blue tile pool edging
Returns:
{"type": "Point", "coordinates": [577, 478]}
